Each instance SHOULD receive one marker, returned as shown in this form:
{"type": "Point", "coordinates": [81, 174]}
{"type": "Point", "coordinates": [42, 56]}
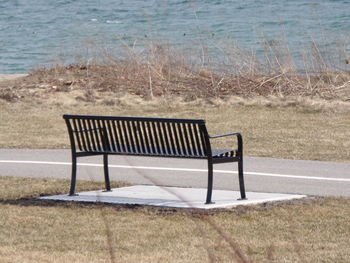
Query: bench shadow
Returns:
{"type": "Point", "coordinates": [147, 209]}
{"type": "Point", "coordinates": [152, 209]}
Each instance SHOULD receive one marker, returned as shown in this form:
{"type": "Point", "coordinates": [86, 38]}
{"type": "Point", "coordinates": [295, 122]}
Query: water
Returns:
{"type": "Point", "coordinates": [35, 33]}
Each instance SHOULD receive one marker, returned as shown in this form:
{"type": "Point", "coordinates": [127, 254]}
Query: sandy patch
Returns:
{"type": "Point", "coordinates": [11, 76]}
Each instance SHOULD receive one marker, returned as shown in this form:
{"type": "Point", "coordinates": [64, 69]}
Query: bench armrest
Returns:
{"type": "Point", "coordinates": [225, 134]}
{"type": "Point", "coordinates": [239, 140]}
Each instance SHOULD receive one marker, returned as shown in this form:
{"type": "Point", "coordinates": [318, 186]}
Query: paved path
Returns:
{"type": "Point", "coordinates": [261, 174]}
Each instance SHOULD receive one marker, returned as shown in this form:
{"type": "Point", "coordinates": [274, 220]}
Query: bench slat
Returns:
{"type": "Point", "coordinates": [202, 132]}
{"type": "Point", "coordinates": [82, 135]}
{"type": "Point", "coordinates": [125, 136]}
{"type": "Point", "coordinates": [183, 145]}
{"type": "Point", "coordinates": [193, 143]}
{"type": "Point", "coordinates": [161, 139]}
{"type": "Point", "coordinates": [150, 136]}
{"type": "Point", "coordinates": [97, 134]}
{"type": "Point", "coordinates": [166, 139]}
{"type": "Point", "coordinates": [87, 135]}
{"type": "Point", "coordinates": [187, 144]}
{"type": "Point", "coordinates": [120, 135]}
{"type": "Point", "coordinates": [139, 135]}
{"type": "Point", "coordinates": [144, 137]}
{"type": "Point", "coordinates": [111, 134]}
{"type": "Point", "coordinates": [130, 137]}
{"type": "Point", "coordinates": [176, 138]}
{"type": "Point", "coordinates": [136, 136]}
{"type": "Point", "coordinates": [171, 138]}
{"type": "Point", "coordinates": [116, 136]}
{"type": "Point", "coordinates": [91, 134]}
{"type": "Point", "coordinates": [108, 140]}
{"type": "Point", "coordinates": [76, 134]}
{"type": "Point", "coordinates": [198, 142]}
{"type": "Point", "coordinates": [155, 138]}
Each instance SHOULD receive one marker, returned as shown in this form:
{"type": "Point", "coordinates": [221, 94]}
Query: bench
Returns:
{"type": "Point", "coordinates": [157, 137]}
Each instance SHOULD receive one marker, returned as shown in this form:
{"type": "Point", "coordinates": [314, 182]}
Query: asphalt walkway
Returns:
{"type": "Point", "coordinates": [261, 174]}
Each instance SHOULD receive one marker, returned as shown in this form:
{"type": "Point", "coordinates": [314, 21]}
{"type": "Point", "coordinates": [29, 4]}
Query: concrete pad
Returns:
{"type": "Point", "coordinates": [172, 197]}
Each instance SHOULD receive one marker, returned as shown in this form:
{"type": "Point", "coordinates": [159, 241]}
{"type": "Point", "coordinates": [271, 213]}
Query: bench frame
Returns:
{"type": "Point", "coordinates": [100, 129]}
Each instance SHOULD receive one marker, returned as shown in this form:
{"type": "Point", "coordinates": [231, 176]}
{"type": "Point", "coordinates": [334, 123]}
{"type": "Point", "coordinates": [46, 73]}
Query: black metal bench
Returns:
{"type": "Point", "coordinates": [158, 137]}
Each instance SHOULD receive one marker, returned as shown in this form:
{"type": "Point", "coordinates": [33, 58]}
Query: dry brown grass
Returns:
{"type": "Point", "coordinates": [311, 132]}
{"type": "Point", "coordinates": [162, 71]}
{"type": "Point", "coordinates": [309, 230]}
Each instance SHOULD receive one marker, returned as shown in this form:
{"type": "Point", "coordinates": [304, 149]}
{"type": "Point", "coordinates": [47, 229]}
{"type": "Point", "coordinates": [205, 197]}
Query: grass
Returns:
{"type": "Point", "coordinates": [42, 231]}
{"type": "Point", "coordinates": [295, 132]}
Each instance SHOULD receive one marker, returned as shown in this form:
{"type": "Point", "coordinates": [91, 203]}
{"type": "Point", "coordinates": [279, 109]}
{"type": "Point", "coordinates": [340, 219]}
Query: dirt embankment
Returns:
{"type": "Point", "coordinates": [105, 82]}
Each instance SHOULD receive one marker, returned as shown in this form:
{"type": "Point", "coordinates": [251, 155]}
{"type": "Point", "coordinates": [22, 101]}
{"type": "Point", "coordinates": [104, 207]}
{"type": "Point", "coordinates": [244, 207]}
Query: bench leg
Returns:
{"type": "Point", "coordinates": [241, 179]}
{"type": "Point", "coordinates": [105, 167]}
{"type": "Point", "coordinates": [74, 176]}
{"type": "Point", "coordinates": [210, 182]}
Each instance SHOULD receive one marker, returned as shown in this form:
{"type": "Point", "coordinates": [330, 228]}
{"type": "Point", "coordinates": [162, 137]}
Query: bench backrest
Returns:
{"type": "Point", "coordinates": [138, 136]}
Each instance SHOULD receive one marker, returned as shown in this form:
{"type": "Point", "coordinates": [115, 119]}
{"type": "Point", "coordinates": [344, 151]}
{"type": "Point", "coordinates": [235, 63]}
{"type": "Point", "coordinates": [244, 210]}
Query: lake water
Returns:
{"type": "Point", "coordinates": [35, 33]}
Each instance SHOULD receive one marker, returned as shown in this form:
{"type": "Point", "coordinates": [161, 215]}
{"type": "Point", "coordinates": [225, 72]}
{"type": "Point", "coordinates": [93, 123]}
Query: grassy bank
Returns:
{"type": "Point", "coordinates": [42, 231]}
{"type": "Point", "coordinates": [159, 70]}
{"type": "Point", "coordinates": [294, 132]}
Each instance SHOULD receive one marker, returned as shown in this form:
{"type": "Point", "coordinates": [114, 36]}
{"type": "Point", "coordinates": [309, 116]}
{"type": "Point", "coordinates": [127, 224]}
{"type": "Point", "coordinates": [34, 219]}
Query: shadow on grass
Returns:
{"type": "Point", "coordinates": [157, 210]}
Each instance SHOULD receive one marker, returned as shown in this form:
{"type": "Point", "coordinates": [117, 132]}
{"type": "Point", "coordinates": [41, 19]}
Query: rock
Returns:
{"type": "Point", "coordinates": [43, 86]}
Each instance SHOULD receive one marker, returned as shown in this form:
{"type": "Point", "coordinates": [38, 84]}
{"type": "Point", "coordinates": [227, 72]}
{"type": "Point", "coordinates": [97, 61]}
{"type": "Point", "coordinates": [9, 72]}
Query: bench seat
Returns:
{"type": "Point", "coordinates": [216, 153]}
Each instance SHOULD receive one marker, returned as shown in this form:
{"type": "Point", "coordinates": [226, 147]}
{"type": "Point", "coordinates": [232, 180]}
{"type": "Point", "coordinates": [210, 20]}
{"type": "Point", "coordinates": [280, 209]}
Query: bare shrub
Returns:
{"type": "Point", "coordinates": [159, 70]}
